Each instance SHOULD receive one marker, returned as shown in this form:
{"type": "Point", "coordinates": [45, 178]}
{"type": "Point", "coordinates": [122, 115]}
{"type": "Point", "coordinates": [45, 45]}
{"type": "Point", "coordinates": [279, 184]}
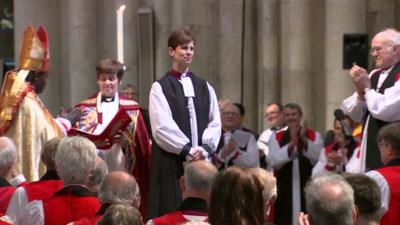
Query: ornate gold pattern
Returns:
{"type": "Point", "coordinates": [34, 54]}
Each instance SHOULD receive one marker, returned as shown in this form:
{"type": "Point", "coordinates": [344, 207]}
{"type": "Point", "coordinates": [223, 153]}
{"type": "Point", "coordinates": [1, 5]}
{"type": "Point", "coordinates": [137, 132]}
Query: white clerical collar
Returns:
{"type": "Point", "coordinates": [99, 101]}
{"type": "Point", "coordinates": [187, 85]}
{"type": "Point", "coordinates": [387, 71]}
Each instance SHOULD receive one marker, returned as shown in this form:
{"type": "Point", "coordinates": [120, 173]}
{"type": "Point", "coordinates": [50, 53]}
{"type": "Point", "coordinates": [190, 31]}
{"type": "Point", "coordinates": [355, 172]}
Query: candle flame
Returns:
{"type": "Point", "coordinates": [121, 8]}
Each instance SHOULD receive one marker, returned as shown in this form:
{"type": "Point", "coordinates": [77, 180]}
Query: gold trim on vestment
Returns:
{"type": "Point", "coordinates": [12, 94]}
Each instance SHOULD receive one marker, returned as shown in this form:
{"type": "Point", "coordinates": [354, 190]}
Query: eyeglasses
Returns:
{"type": "Point", "coordinates": [271, 113]}
{"type": "Point", "coordinates": [379, 48]}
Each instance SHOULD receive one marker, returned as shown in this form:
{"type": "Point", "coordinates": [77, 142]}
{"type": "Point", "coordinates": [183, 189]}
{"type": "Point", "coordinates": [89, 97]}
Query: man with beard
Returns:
{"type": "Point", "coordinates": [23, 116]}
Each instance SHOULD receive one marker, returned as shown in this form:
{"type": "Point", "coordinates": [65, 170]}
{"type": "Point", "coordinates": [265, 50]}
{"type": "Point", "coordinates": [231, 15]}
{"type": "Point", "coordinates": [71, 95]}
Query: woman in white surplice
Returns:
{"type": "Point", "coordinates": [185, 123]}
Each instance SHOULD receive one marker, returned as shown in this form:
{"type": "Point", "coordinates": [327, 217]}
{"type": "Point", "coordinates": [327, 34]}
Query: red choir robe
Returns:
{"type": "Point", "coordinates": [69, 204]}
{"type": "Point", "coordinates": [392, 176]}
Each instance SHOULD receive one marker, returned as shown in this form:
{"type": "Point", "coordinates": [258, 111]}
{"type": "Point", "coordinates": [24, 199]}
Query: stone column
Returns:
{"type": "Point", "coordinates": [352, 19]}
{"type": "Point", "coordinates": [250, 78]}
{"type": "Point", "coordinates": [381, 14]}
{"type": "Point", "coordinates": [31, 13]}
{"type": "Point", "coordinates": [268, 45]}
{"type": "Point", "coordinates": [162, 28]}
{"type": "Point", "coordinates": [296, 57]}
{"type": "Point", "coordinates": [79, 49]}
{"type": "Point", "coordinates": [230, 49]}
{"type": "Point", "coordinates": [146, 58]}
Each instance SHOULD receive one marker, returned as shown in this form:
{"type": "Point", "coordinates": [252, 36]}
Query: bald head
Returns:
{"type": "Point", "coordinates": [330, 198]}
{"type": "Point", "coordinates": [8, 155]}
{"type": "Point", "coordinates": [392, 36]}
{"type": "Point", "coordinates": [120, 188]}
{"type": "Point", "coordinates": [198, 179]}
{"type": "Point", "coordinates": [385, 48]}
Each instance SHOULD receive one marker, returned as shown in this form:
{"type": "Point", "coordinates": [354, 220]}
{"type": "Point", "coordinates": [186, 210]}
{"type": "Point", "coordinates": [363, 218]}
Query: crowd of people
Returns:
{"type": "Point", "coordinates": [189, 159]}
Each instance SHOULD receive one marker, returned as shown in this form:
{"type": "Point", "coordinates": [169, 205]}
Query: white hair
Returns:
{"type": "Point", "coordinates": [8, 152]}
{"type": "Point", "coordinates": [391, 35]}
{"type": "Point", "coordinates": [325, 208]}
{"type": "Point", "coordinates": [75, 159]}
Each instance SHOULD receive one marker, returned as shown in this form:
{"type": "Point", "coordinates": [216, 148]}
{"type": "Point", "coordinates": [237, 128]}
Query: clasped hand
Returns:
{"type": "Point", "coordinates": [360, 79]}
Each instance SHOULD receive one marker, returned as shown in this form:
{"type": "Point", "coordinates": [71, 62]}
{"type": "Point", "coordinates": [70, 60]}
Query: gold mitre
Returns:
{"type": "Point", "coordinates": [34, 53]}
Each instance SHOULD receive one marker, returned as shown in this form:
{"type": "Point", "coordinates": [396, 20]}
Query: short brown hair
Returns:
{"type": "Point", "coordinates": [180, 37]}
{"type": "Point", "coordinates": [110, 66]}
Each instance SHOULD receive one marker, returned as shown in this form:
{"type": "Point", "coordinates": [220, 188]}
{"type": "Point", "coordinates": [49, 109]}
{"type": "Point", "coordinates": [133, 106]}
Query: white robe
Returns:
{"type": "Point", "coordinates": [381, 106]}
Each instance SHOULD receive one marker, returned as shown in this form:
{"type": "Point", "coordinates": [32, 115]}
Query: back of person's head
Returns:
{"type": "Point", "coordinates": [236, 198]}
{"type": "Point", "coordinates": [100, 170]}
{"type": "Point", "coordinates": [198, 178]}
{"type": "Point", "coordinates": [8, 155]}
{"type": "Point", "coordinates": [75, 160]}
{"type": "Point", "coordinates": [120, 214]}
{"type": "Point", "coordinates": [48, 154]}
{"type": "Point", "coordinates": [367, 197]}
{"type": "Point", "coordinates": [119, 188]}
{"type": "Point", "coordinates": [329, 200]}
{"type": "Point", "coordinates": [268, 182]}
{"type": "Point", "coordinates": [181, 36]}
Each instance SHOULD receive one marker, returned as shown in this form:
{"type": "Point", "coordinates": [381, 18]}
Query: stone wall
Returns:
{"type": "Point", "coordinates": [251, 51]}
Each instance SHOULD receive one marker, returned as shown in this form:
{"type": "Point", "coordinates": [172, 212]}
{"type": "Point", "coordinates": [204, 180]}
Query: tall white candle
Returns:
{"type": "Point", "coordinates": [120, 33]}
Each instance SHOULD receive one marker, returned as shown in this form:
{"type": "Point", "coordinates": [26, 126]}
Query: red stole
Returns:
{"type": "Point", "coordinates": [5, 197]}
{"type": "Point", "coordinates": [41, 189]}
{"type": "Point", "coordinates": [392, 177]}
